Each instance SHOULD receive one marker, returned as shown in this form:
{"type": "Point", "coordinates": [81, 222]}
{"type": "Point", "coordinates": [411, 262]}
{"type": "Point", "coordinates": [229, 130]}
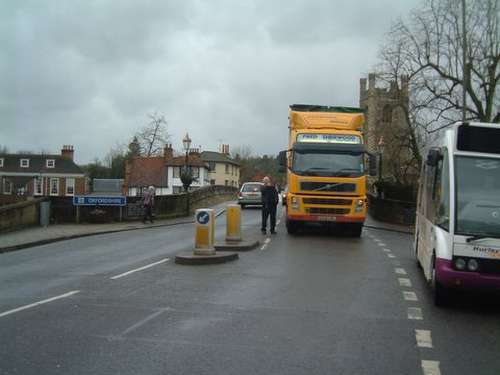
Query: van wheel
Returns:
{"type": "Point", "coordinates": [242, 206]}
{"type": "Point", "coordinates": [441, 294]}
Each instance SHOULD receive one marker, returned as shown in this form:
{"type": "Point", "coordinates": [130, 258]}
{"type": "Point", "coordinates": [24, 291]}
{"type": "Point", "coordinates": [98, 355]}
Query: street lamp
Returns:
{"type": "Point", "coordinates": [186, 176]}
{"type": "Point", "coordinates": [380, 149]}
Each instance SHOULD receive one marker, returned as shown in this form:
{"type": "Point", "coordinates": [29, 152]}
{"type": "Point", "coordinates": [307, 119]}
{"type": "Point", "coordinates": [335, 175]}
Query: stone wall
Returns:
{"type": "Point", "coordinates": [19, 215]}
{"type": "Point", "coordinates": [392, 211]}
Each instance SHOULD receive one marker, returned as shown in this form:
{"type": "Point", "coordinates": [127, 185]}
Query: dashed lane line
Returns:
{"type": "Point", "coordinates": [266, 242]}
{"type": "Point", "coordinates": [431, 367]}
{"type": "Point", "coordinates": [381, 244]}
{"type": "Point", "coordinates": [403, 281]}
{"type": "Point", "coordinates": [400, 271]}
{"type": "Point", "coordinates": [410, 296]}
{"type": "Point", "coordinates": [415, 313]}
{"type": "Point", "coordinates": [387, 250]}
{"type": "Point", "coordinates": [31, 305]}
{"type": "Point", "coordinates": [423, 337]}
{"type": "Point", "coordinates": [139, 269]}
{"type": "Point", "coordinates": [391, 256]}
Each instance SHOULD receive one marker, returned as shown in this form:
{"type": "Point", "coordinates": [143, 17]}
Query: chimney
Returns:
{"type": "Point", "coordinates": [225, 149]}
{"type": "Point", "coordinates": [68, 152]}
{"type": "Point", "coordinates": [168, 153]}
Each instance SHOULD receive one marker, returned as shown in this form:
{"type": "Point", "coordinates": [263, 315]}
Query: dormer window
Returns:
{"type": "Point", "coordinates": [25, 163]}
{"type": "Point", "coordinates": [50, 163]}
{"type": "Point", "coordinates": [1, 162]}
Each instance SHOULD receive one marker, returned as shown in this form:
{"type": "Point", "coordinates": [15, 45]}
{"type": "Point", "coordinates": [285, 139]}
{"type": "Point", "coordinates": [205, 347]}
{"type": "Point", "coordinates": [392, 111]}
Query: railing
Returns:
{"type": "Point", "coordinates": [392, 211]}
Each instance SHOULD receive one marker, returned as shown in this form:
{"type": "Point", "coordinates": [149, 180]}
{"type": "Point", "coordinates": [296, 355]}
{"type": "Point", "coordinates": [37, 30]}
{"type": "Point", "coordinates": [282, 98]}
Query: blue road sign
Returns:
{"type": "Point", "coordinates": [202, 217]}
{"type": "Point", "coordinates": [90, 200]}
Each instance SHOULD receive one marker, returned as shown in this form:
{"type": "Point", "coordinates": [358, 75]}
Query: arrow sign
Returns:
{"type": "Point", "coordinates": [202, 217]}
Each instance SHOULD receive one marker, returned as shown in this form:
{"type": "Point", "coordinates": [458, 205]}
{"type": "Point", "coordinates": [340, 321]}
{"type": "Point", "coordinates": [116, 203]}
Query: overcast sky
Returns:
{"type": "Point", "coordinates": [87, 73]}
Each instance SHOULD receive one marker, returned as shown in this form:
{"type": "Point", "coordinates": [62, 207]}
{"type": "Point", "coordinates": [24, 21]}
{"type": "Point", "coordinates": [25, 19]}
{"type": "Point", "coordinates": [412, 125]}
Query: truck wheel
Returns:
{"type": "Point", "coordinates": [356, 230]}
{"type": "Point", "coordinates": [292, 227]}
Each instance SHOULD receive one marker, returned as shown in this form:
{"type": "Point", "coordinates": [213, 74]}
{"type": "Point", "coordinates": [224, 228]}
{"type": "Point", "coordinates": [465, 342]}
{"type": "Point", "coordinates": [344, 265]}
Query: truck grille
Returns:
{"type": "Point", "coordinates": [326, 201]}
{"type": "Point", "coordinates": [327, 211]}
{"type": "Point", "coordinates": [325, 186]}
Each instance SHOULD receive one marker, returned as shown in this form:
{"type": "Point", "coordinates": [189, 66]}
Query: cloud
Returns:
{"type": "Point", "coordinates": [87, 73]}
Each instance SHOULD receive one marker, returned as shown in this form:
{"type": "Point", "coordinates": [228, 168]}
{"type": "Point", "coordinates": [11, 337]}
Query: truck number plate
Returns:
{"type": "Point", "coordinates": [327, 218]}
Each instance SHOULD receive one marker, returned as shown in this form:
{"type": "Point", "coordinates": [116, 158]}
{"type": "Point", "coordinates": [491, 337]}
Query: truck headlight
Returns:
{"type": "Point", "coordinates": [295, 203]}
{"type": "Point", "coordinates": [359, 205]}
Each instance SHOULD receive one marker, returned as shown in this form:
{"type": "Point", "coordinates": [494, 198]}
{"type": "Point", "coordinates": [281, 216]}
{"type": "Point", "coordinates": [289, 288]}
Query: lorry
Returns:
{"type": "Point", "coordinates": [326, 163]}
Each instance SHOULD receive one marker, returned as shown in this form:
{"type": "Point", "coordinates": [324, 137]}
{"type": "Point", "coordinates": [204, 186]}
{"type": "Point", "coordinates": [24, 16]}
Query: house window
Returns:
{"type": "Point", "coordinates": [195, 172]}
{"type": "Point", "coordinates": [54, 186]}
{"type": "Point", "coordinates": [227, 168]}
{"type": "Point", "coordinates": [212, 182]}
{"type": "Point", "coordinates": [25, 163]}
{"type": "Point", "coordinates": [7, 186]}
{"type": "Point", "coordinates": [50, 163]}
{"type": "Point", "coordinates": [211, 166]}
{"type": "Point", "coordinates": [177, 172]}
{"type": "Point", "coordinates": [177, 189]}
{"type": "Point", "coordinates": [227, 183]}
{"type": "Point", "coordinates": [1, 162]}
{"type": "Point", "coordinates": [37, 186]}
{"type": "Point", "coordinates": [70, 186]}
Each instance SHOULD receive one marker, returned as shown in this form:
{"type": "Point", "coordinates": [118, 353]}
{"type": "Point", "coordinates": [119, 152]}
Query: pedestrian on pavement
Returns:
{"type": "Point", "coordinates": [269, 202]}
{"type": "Point", "coordinates": [148, 202]}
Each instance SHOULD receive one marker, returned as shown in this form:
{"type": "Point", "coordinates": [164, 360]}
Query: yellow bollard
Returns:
{"type": "Point", "coordinates": [205, 232]}
{"type": "Point", "coordinates": [233, 223]}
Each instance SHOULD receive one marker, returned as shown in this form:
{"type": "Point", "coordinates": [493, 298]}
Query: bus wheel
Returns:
{"type": "Point", "coordinates": [292, 227]}
{"type": "Point", "coordinates": [416, 253]}
{"type": "Point", "coordinates": [441, 294]}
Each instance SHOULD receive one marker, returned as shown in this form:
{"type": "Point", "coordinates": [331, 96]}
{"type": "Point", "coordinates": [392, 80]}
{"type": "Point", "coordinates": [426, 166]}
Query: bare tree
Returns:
{"type": "Point", "coordinates": [429, 49]}
{"type": "Point", "coordinates": [153, 136]}
{"type": "Point", "coordinates": [241, 152]}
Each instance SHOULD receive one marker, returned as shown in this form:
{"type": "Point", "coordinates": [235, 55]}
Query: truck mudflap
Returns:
{"type": "Point", "coordinates": [325, 218]}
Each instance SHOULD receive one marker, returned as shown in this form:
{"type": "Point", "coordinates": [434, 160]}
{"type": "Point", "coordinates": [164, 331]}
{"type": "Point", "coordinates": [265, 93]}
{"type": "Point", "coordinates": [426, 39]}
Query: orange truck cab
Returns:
{"type": "Point", "coordinates": [326, 167]}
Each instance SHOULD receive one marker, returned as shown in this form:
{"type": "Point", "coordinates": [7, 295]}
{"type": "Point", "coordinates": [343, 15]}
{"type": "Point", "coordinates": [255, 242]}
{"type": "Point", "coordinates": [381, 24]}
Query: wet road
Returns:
{"type": "Point", "coordinates": [314, 303]}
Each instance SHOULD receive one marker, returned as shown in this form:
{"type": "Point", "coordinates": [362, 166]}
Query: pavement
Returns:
{"type": "Point", "coordinates": [34, 236]}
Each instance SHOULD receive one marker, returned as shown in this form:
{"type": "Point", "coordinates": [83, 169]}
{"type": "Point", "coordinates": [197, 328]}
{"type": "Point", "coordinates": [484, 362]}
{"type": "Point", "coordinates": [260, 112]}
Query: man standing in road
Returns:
{"type": "Point", "coordinates": [148, 202]}
{"type": "Point", "coordinates": [269, 202]}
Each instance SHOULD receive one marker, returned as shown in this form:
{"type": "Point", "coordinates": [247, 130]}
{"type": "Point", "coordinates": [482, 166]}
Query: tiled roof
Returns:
{"type": "Point", "coordinates": [37, 164]}
{"type": "Point", "coordinates": [147, 171]}
{"type": "Point", "coordinates": [193, 161]}
{"type": "Point", "coordinates": [217, 157]}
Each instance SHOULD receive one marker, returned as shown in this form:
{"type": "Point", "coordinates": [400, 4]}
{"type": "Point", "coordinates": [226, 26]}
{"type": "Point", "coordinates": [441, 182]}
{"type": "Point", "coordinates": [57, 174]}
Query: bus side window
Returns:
{"type": "Point", "coordinates": [430, 176]}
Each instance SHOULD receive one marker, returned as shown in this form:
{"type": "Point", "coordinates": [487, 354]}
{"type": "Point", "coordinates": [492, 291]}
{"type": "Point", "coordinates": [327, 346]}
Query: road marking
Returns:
{"type": "Point", "coordinates": [381, 244]}
{"type": "Point", "coordinates": [415, 313]}
{"type": "Point", "coordinates": [391, 256]}
{"type": "Point", "coordinates": [424, 339]}
{"type": "Point", "coordinates": [431, 367]}
{"type": "Point", "coordinates": [266, 242]}
{"type": "Point", "coordinates": [400, 271]}
{"type": "Point", "coordinates": [376, 240]}
{"type": "Point", "coordinates": [410, 296]}
{"type": "Point", "coordinates": [139, 269]}
{"type": "Point", "coordinates": [396, 262]}
{"type": "Point", "coordinates": [5, 313]}
{"type": "Point", "coordinates": [404, 282]}
{"type": "Point", "coordinates": [387, 250]}
{"type": "Point", "coordinates": [278, 222]}
{"type": "Point", "coordinates": [143, 321]}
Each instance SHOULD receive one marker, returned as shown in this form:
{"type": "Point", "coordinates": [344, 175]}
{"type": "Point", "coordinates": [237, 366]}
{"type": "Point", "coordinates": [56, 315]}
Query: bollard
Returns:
{"type": "Point", "coordinates": [233, 223]}
{"type": "Point", "coordinates": [205, 232]}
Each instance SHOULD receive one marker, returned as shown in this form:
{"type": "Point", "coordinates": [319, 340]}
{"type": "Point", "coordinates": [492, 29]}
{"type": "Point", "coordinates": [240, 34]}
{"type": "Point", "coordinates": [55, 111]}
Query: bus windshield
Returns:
{"type": "Point", "coordinates": [477, 196]}
{"type": "Point", "coordinates": [328, 164]}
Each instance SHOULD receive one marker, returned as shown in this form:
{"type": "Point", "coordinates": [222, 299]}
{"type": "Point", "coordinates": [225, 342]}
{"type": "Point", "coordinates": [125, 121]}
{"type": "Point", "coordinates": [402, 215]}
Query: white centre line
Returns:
{"type": "Point", "coordinates": [404, 282]}
{"type": "Point", "coordinates": [415, 313]}
{"type": "Point", "coordinates": [139, 269]}
{"type": "Point", "coordinates": [391, 256]}
{"type": "Point", "coordinates": [5, 313]}
{"type": "Point", "coordinates": [431, 367]}
{"type": "Point", "coordinates": [400, 271]}
{"type": "Point", "coordinates": [266, 242]}
{"type": "Point", "coordinates": [410, 296]}
{"type": "Point", "coordinates": [381, 244]}
{"type": "Point", "coordinates": [424, 339]}
{"type": "Point", "coordinates": [387, 250]}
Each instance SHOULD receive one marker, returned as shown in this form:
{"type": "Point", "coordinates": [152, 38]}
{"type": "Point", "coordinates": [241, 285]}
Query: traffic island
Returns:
{"type": "Point", "coordinates": [189, 258]}
{"type": "Point", "coordinates": [236, 245]}
{"type": "Point", "coordinates": [204, 251]}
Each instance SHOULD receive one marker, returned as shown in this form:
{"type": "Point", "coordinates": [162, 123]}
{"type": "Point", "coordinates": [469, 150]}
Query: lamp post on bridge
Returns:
{"type": "Point", "coordinates": [380, 149]}
{"type": "Point", "coordinates": [186, 176]}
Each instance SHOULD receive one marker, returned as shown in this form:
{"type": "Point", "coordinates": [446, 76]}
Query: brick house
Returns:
{"type": "Point", "coordinates": [163, 172]}
{"type": "Point", "coordinates": [41, 174]}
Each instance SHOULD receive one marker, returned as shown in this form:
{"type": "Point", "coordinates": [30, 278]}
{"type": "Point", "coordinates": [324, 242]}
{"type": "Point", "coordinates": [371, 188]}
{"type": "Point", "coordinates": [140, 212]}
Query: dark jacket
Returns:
{"type": "Point", "coordinates": [269, 196]}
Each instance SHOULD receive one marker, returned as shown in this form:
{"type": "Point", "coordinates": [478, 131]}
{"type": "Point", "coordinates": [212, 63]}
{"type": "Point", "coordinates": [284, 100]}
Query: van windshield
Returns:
{"type": "Point", "coordinates": [477, 196]}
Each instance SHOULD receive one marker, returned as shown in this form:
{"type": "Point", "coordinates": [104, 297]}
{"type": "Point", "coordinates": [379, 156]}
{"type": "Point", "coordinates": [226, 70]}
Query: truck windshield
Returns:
{"type": "Point", "coordinates": [328, 164]}
{"type": "Point", "coordinates": [477, 196]}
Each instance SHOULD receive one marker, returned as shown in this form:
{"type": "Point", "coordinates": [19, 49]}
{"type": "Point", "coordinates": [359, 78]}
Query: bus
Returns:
{"type": "Point", "coordinates": [457, 232]}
